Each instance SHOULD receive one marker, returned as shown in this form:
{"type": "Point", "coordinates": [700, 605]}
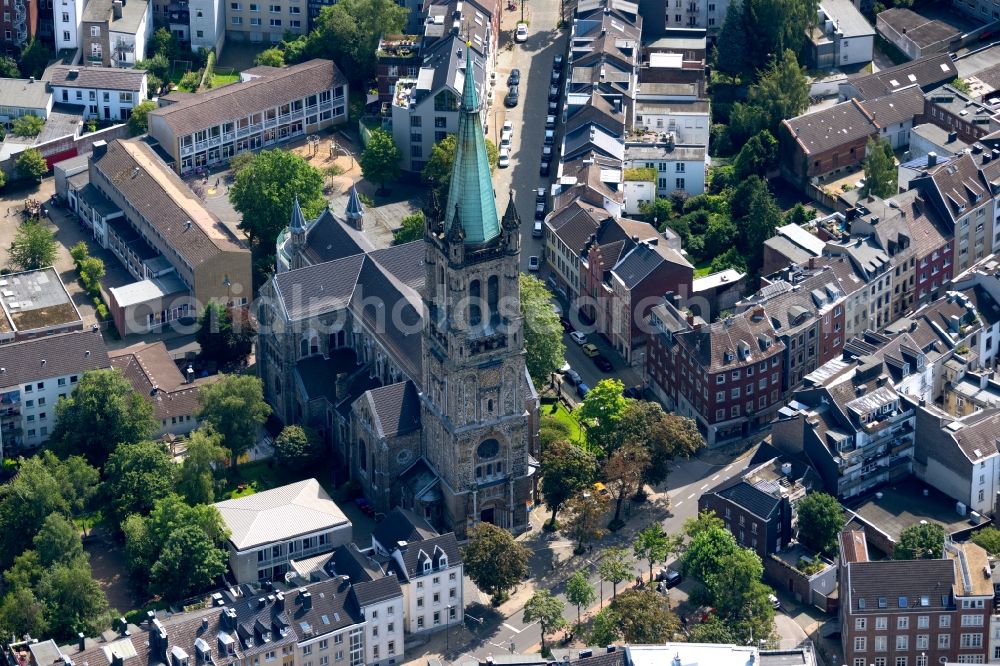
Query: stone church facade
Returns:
{"type": "Point", "coordinates": [409, 360]}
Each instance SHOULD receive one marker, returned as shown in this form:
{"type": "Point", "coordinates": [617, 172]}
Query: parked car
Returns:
{"type": "Point", "coordinates": [634, 392]}
{"type": "Point", "coordinates": [547, 153]}
{"type": "Point", "coordinates": [550, 137]}
{"type": "Point", "coordinates": [543, 170]}
{"type": "Point", "coordinates": [582, 390]}
{"type": "Point", "coordinates": [553, 106]}
{"type": "Point", "coordinates": [578, 337]}
{"type": "Point", "coordinates": [540, 195]}
{"type": "Point", "coordinates": [532, 263]}
{"type": "Point", "coordinates": [602, 363]}
{"type": "Point", "coordinates": [505, 138]}
{"type": "Point", "coordinates": [557, 62]}
{"type": "Point", "coordinates": [566, 324]}
{"type": "Point", "coordinates": [590, 349]}
{"type": "Point", "coordinates": [554, 79]}
{"type": "Point", "coordinates": [514, 78]}
{"type": "Point", "coordinates": [572, 376]}
{"type": "Point", "coordinates": [671, 578]}
{"type": "Point", "coordinates": [513, 96]}
{"type": "Point", "coordinates": [536, 231]}
{"type": "Point", "coordinates": [521, 35]}
{"type": "Point", "coordinates": [539, 211]}
{"type": "Point", "coordinates": [504, 160]}
{"type": "Point", "coordinates": [550, 122]}
{"type": "Point", "coordinates": [775, 602]}
{"type": "Point", "coordinates": [554, 93]}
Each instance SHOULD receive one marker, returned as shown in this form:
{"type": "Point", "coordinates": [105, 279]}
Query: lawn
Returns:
{"type": "Point", "coordinates": [253, 477]}
{"type": "Point", "coordinates": [219, 80]}
{"type": "Point", "coordinates": [558, 411]}
{"type": "Point", "coordinates": [703, 269]}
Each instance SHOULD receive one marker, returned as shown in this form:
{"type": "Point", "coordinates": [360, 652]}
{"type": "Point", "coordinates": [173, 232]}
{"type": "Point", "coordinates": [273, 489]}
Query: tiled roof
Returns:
{"type": "Point", "coordinates": [925, 72]}
{"type": "Point", "coordinates": [897, 107]}
{"type": "Point", "coordinates": [314, 290]}
{"type": "Point", "coordinates": [52, 356]}
{"type": "Point", "coordinates": [643, 260]}
{"type": "Point", "coordinates": [401, 525]}
{"type": "Point", "coordinates": [368, 582]}
{"type": "Point", "coordinates": [574, 224]}
{"type": "Point", "coordinates": [28, 94]}
{"type": "Point", "coordinates": [853, 546]}
{"type": "Point", "coordinates": [710, 344]}
{"type": "Point", "coordinates": [978, 436]}
{"type": "Point", "coordinates": [959, 186]}
{"type": "Point", "coordinates": [329, 239]}
{"type": "Point", "coordinates": [165, 202]}
{"type": "Point", "coordinates": [279, 514]}
{"type": "Point", "coordinates": [831, 127]}
{"type": "Point", "coordinates": [898, 583]}
{"type": "Point", "coordinates": [404, 262]}
{"type": "Point", "coordinates": [241, 99]}
{"type": "Point", "coordinates": [154, 375]}
{"type": "Point", "coordinates": [396, 409]}
{"type": "Point", "coordinates": [416, 554]}
{"type": "Point", "coordinates": [101, 78]}
{"type": "Point", "coordinates": [751, 498]}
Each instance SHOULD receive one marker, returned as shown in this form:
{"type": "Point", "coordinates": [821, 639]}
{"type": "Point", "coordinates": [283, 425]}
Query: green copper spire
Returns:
{"type": "Point", "coordinates": [471, 192]}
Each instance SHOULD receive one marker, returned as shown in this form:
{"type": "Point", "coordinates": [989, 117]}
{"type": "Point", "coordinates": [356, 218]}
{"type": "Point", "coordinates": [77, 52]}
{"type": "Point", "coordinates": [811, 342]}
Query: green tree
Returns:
{"type": "Point", "coordinates": [138, 121]}
{"type": "Point", "coordinates": [25, 572]}
{"type": "Point", "coordinates": [348, 33]}
{"type": "Point", "coordinates": [776, 26]}
{"type": "Point", "coordinates": [658, 212]}
{"type": "Point", "coordinates": [616, 566]}
{"type": "Point", "coordinates": [264, 192]}
{"type": "Point", "coordinates": [710, 544]}
{"type": "Point", "coordinates": [604, 628]}
{"type": "Point", "coordinates": [551, 430]}
{"type": "Point", "coordinates": [411, 228]}
{"type": "Point", "coordinates": [8, 68]}
{"type": "Point", "coordinates": [732, 48]}
{"type": "Point", "coordinates": [566, 470]}
{"type": "Point", "coordinates": [756, 213]}
{"type": "Point", "coordinates": [240, 161]}
{"type": "Point", "coordinates": [35, 57]}
{"type": "Point", "coordinates": [92, 271]}
{"type": "Point", "coordinates": [582, 521]}
{"type": "Point", "coordinates": [58, 541]}
{"type": "Point", "coordinates": [720, 236]}
{"type": "Point", "coordinates": [164, 43]}
{"type": "Point", "coordinates": [712, 631]}
{"type": "Point", "coordinates": [820, 520]}
{"type": "Point", "coordinates": [188, 563]}
{"type": "Point", "coordinates": [235, 407]}
{"type": "Point", "coordinates": [297, 447]}
{"type": "Point", "coordinates": [158, 65]}
{"type": "Point", "coordinates": [224, 334]}
{"type": "Point", "coordinates": [3, 174]}
{"type": "Point", "coordinates": [601, 413]}
{"type": "Point", "coordinates": [988, 539]}
{"type": "Point", "coordinates": [437, 170]}
{"type": "Point", "coordinates": [757, 156]}
{"type": "Point", "coordinates": [27, 126]}
{"type": "Point", "coordinates": [22, 613]}
{"type": "Point", "coordinates": [880, 169]}
{"type": "Point", "coordinates": [653, 545]}
{"type": "Point", "coordinates": [494, 561]}
{"type": "Point", "coordinates": [136, 476]}
{"type": "Point", "coordinates": [33, 247]}
{"type": "Point", "coordinates": [624, 471]}
{"type": "Point", "coordinates": [644, 617]}
{"type": "Point", "coordinates": [781, 92]}
{"type": "Point", "coordinates": [379, 160]}
{"type": "Point", "coordinates": [580, 593]}
{"type": "Point", "coordinates": [73, 600]}
{"type": "Point", "coordinates": [198, 477]}
{"type": "Point", "coordinates": [103, 411]}
{"type": "Point", "coordinates": [704, 521]}
{"type": "Point", "coordinates": [547, 611]}
{"type": "Point", "coordinates": [923, 541]}
{"type": "Point", "coordinates": [30, 165]}
{"type": "Point", "coordinates": [544, 349]}
{"type": "Point", "coordinates": [272, 57]}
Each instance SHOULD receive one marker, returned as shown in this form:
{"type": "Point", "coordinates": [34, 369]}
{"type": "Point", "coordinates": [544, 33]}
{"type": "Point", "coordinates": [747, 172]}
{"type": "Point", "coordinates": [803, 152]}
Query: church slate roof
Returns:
{"type": "Point", "coordinates": [329, 239]}
{"type": "Point", "coordinates": [396, 408]}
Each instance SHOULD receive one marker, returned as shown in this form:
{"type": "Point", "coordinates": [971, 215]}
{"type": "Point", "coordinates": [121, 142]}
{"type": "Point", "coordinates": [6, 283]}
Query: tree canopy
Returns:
{"type": "Point", "coordinates": [33, 247]}
{"type": "Point", "coordinates": [547, 611]}
{"type": "Point", "coordinates": [880, 169]}
{"type": "Point", "coordinates": [640, 616]}
{"type": "Point", "coordinates": [820, 520]}
{"type": "Point", "coordinates": [616, 566]}
{"type": "Point", "coordinates": [566, 470]}
{"type": "Point", "coordinates": [494, 561]}
{"type": "Point", "coordinates": [102, 412]}
{"type": "Point", "coordinates": [264, 192]}
{"type": "Point", "coordinates": [224, 334]}
{"type": "Point", "coordinates": [653, 545]}
{"type": "Point", "coordinates": [624, 472]}
{"type": "Point", "coordinates": [583, 516]}
{"type": "Point", "coordinates": [601, 413]}
{"type": "Point", "coordinates": [580, 592]}
{"type": "Point", "coordinates": [30, 165]}
{"type": "Point", "coordinates": [782, 91]}
{"type": "Point", "coordinates": [411, 228]}
{"type": "Point", "coordinates": [297, 447]}
{"type": "Point", "coordinates": [198, 476]}
{"type": "Point", "coordinates": [988, 538]}
{"type": "Point", "coordinates": [437, 169]}
{"type": "Point", "coordinates": [545, 351]}
{"type": "Point", "coordinates": [138, 121]}
{"type": "Point", "coordinates": [272, 57]}
{"type": "Point", "coordinates": [379, 160]}
{"type": "Point", "coordinates": [136, 476]}
{"type": "Point", "coordinates": [27, 126]}
{"type": "Point", "coordinates": [920, 542]}
{"type": "Point", "coordinates": [234, 406]}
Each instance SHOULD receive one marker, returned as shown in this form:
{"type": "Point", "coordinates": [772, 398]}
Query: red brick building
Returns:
{"type": "Point", "coordinates": [825, 142]}
{"type": "Point", "coordinates": [914, 612]}
{"type": "Point", "coordinates": [19, 23]}
{"type": "Point", "coordinates": [726, 375]}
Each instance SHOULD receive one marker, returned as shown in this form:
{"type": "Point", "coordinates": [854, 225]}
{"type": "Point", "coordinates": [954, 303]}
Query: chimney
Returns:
{"type": "Point", "coordinates": [116, 9]}
{"type": "Point", "coordinates": [401, 546]}
{"type": "Point", "coordinates": [931, 158]}
{"type": "Point", "coordinates": [952, 136]}
{"type": "Point", "coordinates": [81, 641]}
{"type": "Point", "coordinates": [204, 624]}
{"type": "Point", "coordinates": [279, 600]}
{"type": "Point", "coordinates": [307, 600]}
{"type": "Point", "coordinates": [99, 148]}
{"type": "Point", "coordinates": [122, 622]}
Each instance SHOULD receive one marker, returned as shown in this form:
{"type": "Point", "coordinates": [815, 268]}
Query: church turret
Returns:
{"type": "Point", "coordinates": [471, 182]}
{"type": "Point", "coordinates": [511, 224]}
{"type": "Point", "coordinates": [355, 210]}
{"type": "Point", "coordinates": [297, 228]}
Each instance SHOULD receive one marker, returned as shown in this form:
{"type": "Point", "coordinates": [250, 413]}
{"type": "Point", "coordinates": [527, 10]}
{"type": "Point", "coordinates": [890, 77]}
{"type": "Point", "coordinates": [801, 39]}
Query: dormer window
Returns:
{"type": "Point", "coordinates": [427, 566]}
{"type": "Point", "coordinates": [443, 562]}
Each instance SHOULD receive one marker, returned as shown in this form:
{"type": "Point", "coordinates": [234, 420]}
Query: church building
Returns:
{"type": "Point", "coordinates": [409, 360]}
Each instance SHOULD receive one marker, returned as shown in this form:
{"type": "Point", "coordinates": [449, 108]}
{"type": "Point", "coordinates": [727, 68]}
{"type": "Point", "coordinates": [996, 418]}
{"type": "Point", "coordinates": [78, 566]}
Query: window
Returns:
{"type": "Point", "coordinates": [65, 38]}
{"type": "Point", "coordinates": [923, 622]}
{"type": "Point", "coordinates": [859, 644]}
{"type": "Point", "coordinates": [270, 656]}
{"type": "Point", "coordinates": [235, 6]}
{"type": "Point", "coordinates": [944, 641]}
{"type": "Point", "coordinates": [294, 10]}
{"type": "Point", "coordinates": [902, 643]}
{"type": "Point", "coordinates": [967, 620]}
{"type": "Point", "coordinates": [65, 17]}
{"type": "Point", "coordinates": [903, 622]}
{"type": "Point", "coordinates": [680, 183]}
{"type": "Point", "coordinates": [679, 167]}
{"type": "Point", "coordinates": [254, 20]}
{"type": "Point", "coordinates": [971, 641]}
{"type": "Point", "coordinates": [900, 661]}
{"type": "Point", "coordinates": [923, 641]}
{"type": "Point", "coordinates": [237, 20]}
{"type": "Point", "coordinates": [275, 9]}
{"type": "Point", "coordinates": [307, 649]}
{"type": "Point", "coordinates": [944, 621]}
{"type": "Point", "coordinates": [881, 623]}
{"type": "Point", "coordinates": [95, 31]}
{"type": "Point", "coordinates": [881, 644]}
{"type": "Point", "coordinates": [275, 23]}
{"type": "Point", "coordinates": [295, 23]}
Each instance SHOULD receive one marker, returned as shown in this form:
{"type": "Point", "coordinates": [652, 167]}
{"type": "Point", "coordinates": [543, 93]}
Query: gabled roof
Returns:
{"type": "Point", "coordinates": [574, 224]}
{"type": "Point", "coordinates": [328, 238]}
{"type": "Point", "coordinates": [831, 127]}
{"type": "Point", "coordinates": [957, 187]}
{"type": "Point", "coordinates": [643, 260]}
{"type": "Point", "coordinates": [718, 346]}
{"type": "Point", "coordinates": [748, 496]}
{"type": "Point", "coordinates": [401, 525]}
{"type": "Point", "coordinates": [432, 550]}
{"type": "Point", "coordinates": [897, 107]}
{"type": "Point", "coordinates": [898, 583]}
{"type": "Point", "coordinates": [925, 72]}
{"type": "Point", "coordinates": [280, 514]}
{"type": "Point", "coordinates": [99, 78]}
{"type": "Point", "coordinates": [395, 408]}
{"type": "Point", "coordinates": [52, 356]}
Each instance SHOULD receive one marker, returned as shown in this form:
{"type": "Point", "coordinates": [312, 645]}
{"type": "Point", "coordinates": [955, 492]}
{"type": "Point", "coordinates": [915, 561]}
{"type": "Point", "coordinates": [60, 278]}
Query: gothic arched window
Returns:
{"type": "Point", "coordinates": [475, 296]}
{"type": "Point", "coordinates": [493, 297]}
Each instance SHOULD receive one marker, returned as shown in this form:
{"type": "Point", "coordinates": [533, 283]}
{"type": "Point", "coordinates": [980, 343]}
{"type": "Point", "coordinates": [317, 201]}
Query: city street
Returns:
{"type": "Point", "coordinates": [534, 59]}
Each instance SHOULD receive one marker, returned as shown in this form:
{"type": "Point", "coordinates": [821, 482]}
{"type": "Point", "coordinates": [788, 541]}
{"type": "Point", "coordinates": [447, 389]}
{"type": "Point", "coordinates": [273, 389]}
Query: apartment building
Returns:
{"type": "Point", "coordinates": [954, 111]}
{"type": "Point", "coordinates": [271, 528]}
{"type": "Point", "coordinates": [706, 14]}
{"type": "Point", "coordinates": [826, 142]}
{"type": "Point", "coordinates": [981, 10]}
{"type": "Point", "coordinates": [914, 612]}
{"type": "Point", "coordinates": [34, 375]}
{"type": "Point", "coordinates": [678, 167]}
{"type": "Point", "coordinates": [268, 106]}
{"type": "Point", "coordinates": [927, 72]}
{"type": "Point", "coordinates": [725, 375]}
{"type": "Point", "coordinates": [206, 24]}
{"type": "Point", "coordinates": [267, 22]}
{"type": "Point", "coordinates": [104, 93]}
{"type": "Point", "coordinates": [850, 419]}
{"type": "Point", "coordinates": [566, 232]}
{"type": "Point", "coordinates": [689, 122]}
{"type": "Point", "coordinates": [67, 19]}
{"type": "Point", "coordinates": [112, 33]}
{"type": "Point", "coordinates": [23, 97]}
{"type": "Point", "coordinates": [182, 255]}
{"type": "Point", "coordinates": [841, 37]}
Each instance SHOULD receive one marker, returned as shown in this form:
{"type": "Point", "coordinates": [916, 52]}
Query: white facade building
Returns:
{"type": "Point", "coordinates": [690, 122]}
{"type": "Point", "coordinates": [207, 24]}
{"type": "Point", "coordinates": [104, 93]}
{"type": "Point", "coordinates": [66, 18]}
{"type": "Point", "coordinates": [678, 167]}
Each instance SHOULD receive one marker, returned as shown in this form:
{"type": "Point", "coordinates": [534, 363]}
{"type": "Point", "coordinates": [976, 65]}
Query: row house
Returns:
{"type": "Point", "coordinates": [689, 122]}
{"type": "Point", "coordinates": [265, 22]}
{"type": "Point", "coordinates": [707, 15]}
{"type": "Point", "coordinates": [954, 111]}
{"type": "Point", "coordinates": [927, 73]}
{"type": "Point", "coordinates": [841, 36]}
{"type": "Point", "coordinates": [104, 93]}
{"type": "Point", "coordinates": [23, 97]}
{"type": "Point", "coordinates": [267, 107]}
{"type": "Point", "coordinates": [914, 612]}
{"type": "Point", "coordinates": [592, 179]}
{"type": "Point", "coordinates": [34, 375]}
{"type": "Point", "coordinates": [806, 309]}
{"type": "Point", "coordinates": [727, 375]}
{"type": "Point", "coordinates": [874, 306]}
{"type": "Point", "coordinates": [111, 33]}
{"type": "Point", "coordinates": [850, 419]}
{"type": "Point", "coordinates": [678, 167]}
{"type": "Point", "coordinates": [566, 232]}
